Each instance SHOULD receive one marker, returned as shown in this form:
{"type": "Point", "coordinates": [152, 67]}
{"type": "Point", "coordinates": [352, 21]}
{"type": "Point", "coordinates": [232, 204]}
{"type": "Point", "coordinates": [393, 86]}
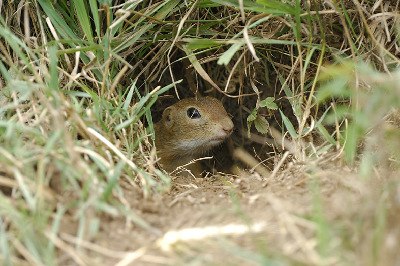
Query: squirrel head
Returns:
{"type": "Point", "coordinates": [193, 126]}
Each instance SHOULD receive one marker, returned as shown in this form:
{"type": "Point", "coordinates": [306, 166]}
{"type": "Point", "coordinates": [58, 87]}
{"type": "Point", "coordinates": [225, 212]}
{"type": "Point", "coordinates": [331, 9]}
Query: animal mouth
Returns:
{"type": "Point", "coordinates": [223, 136]}
{"type": "Point", "coordinates": [217, 140]}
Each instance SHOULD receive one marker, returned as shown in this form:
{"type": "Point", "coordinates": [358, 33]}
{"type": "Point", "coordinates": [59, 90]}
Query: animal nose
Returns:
{"type": "Point", "coordinates": [228, 127]}
{"type": "Point", "coordinates": [227, 130]}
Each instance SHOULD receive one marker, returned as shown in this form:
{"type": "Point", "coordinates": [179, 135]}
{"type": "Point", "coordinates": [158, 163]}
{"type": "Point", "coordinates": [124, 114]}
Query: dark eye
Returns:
{"type": "Point", "coordinates": [193, 113]}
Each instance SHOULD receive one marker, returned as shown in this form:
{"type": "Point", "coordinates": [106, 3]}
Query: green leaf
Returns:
{"type": "Point", "coordinates": [252, 116]}
{"type": "Point", "coordinates": [261, 124]}
{"type": "Point", "coordinates": [250, 119]}
{"type": "Point", "coordinates": [269, 103]}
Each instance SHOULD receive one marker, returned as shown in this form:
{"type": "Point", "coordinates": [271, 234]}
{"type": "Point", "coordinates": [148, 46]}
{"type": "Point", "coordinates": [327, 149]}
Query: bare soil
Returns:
{"type": "Point", "coordinates": [246, 220]}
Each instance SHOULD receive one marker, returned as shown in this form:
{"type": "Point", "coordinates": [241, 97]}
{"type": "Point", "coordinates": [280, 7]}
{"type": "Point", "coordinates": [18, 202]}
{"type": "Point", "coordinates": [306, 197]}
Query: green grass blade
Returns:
{"type": "Point", "coordinates": [53, 83]}
{"type": "Point", "coordinates": [261, 6]}
{"type": "Point", "coordinates": [83, 18]}
{"type": "Point", "coordinates": [59, 23]}
{"type": "Point", "coordinates": [289, 126]}
{"type": "Point", "coordinates": [226, 57]}
{"type": "Point", "coordinates": [95, 13]}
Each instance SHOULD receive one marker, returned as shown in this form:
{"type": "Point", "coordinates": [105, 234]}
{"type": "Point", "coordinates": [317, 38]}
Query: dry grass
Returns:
{"type": "Point", "coordinates": [314, 93]}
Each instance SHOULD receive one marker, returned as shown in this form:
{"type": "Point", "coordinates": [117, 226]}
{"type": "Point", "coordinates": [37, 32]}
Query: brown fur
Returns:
{"type": "Point", "coordinates": [180, 139]}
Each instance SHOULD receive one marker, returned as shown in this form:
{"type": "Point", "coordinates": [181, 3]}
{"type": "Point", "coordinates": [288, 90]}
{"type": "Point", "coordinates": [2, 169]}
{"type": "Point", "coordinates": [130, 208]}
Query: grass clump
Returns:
{"type": "Point", "coordinates": [82, 83]}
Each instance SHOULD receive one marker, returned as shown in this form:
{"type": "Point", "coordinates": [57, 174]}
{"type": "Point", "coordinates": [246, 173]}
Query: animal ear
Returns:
{"type": "Point", "coordinates": [167, 117]}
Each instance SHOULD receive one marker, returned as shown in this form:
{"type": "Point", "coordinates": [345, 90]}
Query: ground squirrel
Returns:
{"type": "Point", "coordinates": [188, 129]}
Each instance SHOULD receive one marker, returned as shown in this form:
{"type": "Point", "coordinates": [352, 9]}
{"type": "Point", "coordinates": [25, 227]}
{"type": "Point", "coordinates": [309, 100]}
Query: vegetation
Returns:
{"type": "Point", "coordinates": [82, 82]}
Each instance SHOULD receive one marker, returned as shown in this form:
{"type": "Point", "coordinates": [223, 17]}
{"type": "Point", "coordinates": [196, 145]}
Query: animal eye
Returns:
{"type": "Point", "coordinates": [193, 113]}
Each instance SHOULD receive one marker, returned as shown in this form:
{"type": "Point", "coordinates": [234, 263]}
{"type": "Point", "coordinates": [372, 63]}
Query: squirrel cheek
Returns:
{"type": "Point", "coordinates": [190, 146]}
